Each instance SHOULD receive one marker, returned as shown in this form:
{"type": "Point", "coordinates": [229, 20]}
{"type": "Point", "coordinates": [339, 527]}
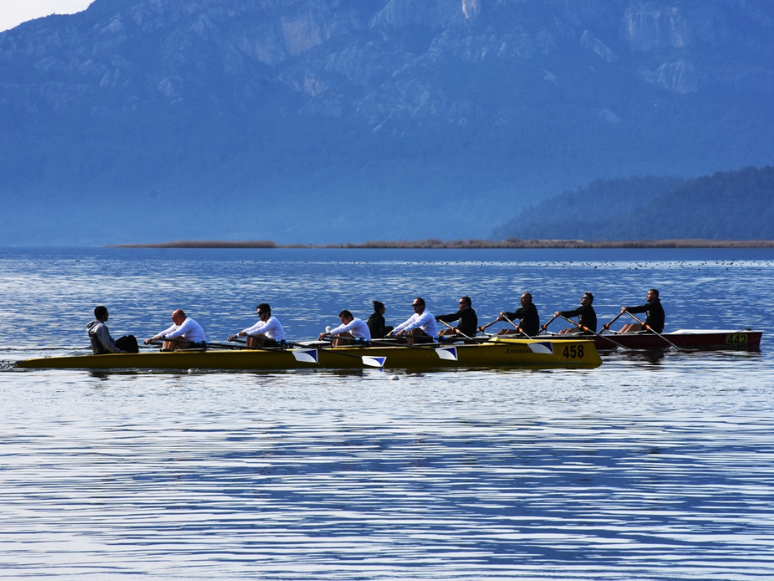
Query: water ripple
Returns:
{"type": "Point", "coordinates": [645, 468]}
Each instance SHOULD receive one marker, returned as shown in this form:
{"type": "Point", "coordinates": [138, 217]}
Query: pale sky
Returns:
{"type": "Point", "coordinates": [14, 12]}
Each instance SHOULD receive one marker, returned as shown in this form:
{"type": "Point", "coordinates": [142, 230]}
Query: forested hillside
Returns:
{"type": "Point", "coordinates": [736, 205]}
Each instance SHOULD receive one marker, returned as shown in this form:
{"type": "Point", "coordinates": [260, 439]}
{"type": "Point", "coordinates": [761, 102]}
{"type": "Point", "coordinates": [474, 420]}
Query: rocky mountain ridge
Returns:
{"type": "Point", "coordinates": [349, 120]}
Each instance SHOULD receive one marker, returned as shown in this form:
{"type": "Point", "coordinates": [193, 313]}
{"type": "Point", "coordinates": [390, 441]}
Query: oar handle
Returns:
{"type": "Point", "coordinates": [638, 320]}
{"type": "Point", "coordinates": [574, 323]}
{"type": "Point", "coordinates": [606, 326]}
{"type": "Point", "coordinates": [543, 328]}
{"type": "Point", "coordinates": [458, 332]}
{"type": "Point", "coordinates": [515, 326]}
{"type": "Point", "coordinates": [644, 325]}
{"type": "Point", "coordinates": [192, 344]}
{"type": "Point", "coordinates": [485, 327]}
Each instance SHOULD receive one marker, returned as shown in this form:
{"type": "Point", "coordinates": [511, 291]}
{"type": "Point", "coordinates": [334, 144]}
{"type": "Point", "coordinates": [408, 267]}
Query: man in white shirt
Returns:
{"type": "Point", "coordinates": [181, 335]}
{"type": "Point", "coordinates": [267, 332]}
{"type": "Point", "coordinates": [420, 327]}
{"type": "Point", "coordinates": [350, 328]}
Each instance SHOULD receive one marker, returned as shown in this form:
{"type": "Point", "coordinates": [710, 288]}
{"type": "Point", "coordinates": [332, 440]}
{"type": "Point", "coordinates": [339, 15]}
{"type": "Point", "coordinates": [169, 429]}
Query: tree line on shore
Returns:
{"type": "Point", "coordinates": [733, 205]}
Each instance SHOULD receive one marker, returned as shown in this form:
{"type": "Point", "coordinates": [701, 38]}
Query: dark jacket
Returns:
{"type": "Point", "coordinates": [654, 315]}
{"type": "Point", "coordinates": [377, 326]}
{"type": "Point", "coordinates": [529, 319]}
{"type": "Point", "coordinates": [468, 320]}
{"type": "Point", "coordinates": [587, 316]}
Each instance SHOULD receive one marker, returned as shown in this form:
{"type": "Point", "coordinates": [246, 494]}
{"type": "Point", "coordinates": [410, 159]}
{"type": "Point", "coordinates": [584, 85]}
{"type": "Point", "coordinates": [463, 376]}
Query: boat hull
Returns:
{"type": "Point", "coordinates": [497, 353]}
{"type": "Point", "coordinates": [746, 340]}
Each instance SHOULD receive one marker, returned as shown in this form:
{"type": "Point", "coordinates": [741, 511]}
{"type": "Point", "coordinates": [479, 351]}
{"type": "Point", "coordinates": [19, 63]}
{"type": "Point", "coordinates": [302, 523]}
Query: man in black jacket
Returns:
{"type": "Point", "coordinates": [529, 321]}
{"type": "Point", "coordinates": [587, 317]}
{"type": "Point", "coordinates": [468, 320]}
{"type": "Point", "coordinates": [654, 314]}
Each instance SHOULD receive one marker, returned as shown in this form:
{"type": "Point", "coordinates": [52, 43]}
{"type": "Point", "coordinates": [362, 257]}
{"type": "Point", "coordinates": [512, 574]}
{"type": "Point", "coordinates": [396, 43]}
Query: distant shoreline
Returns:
{"type": "Point", "coordinates": [466, 244]}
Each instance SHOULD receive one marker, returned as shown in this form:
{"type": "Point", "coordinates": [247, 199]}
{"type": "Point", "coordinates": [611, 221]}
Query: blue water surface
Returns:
{"type": "Point", "coordinates": [649, 467]}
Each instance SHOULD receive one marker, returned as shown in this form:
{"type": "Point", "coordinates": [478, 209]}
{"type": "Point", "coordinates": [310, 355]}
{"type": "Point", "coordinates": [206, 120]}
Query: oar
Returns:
{"type": "Point", "coordinates": [485, 327]}
{"type": "Point", "coordinates": [649, 328]}
{"type": "Point", "coordinates": [309, 355]}
{"type": "Point", "coordinates": [606, 326]}
{"type": "Point", "coordinates": [515, 326]}
{"type": "Point", "coordinates": [458, 332]}
{"type": "Point", "coordinates": [449, 353]}
{"type": "Point", "coordinates": [195, 345]}
{"type": "Point", "coordinates": [227, 345]}
{"type": "Point", "coordinates": [243, 345]}
{"type": "Point", "coordinates": [585, 328]}
{"type": "Point", "coordinates": [543, 328]}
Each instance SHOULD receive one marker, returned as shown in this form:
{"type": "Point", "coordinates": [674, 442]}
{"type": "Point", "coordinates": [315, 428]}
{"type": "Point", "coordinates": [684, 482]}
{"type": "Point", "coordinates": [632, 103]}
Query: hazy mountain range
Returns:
{"type": "Point", "coordinates": [736, 205]}
{"type": "Point", "coordinates": [353, 120]}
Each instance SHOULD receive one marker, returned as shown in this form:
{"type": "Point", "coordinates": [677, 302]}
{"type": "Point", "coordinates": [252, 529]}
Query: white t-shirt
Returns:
{"type": "Point", "coordinates": [271, 329]}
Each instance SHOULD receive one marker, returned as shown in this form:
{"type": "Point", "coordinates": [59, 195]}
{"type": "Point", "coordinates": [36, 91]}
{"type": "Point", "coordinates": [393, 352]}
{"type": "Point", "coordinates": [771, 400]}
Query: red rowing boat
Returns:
{"type": "Point", "coordinates": [742, 340]}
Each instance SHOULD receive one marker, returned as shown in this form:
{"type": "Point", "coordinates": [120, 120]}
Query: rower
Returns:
{"type": "Point", "coordinates": [350, 330]}
{"type": "Point", "coordinates": [587, 317]}
{"type": "Point", "coordinates": [181, 335]}
{"type": "Point", "coordinates": [529, 321]}
{"type": "Point", "coordinates": [419, 327]}
{"type": "Point", "coordinates": [267, 332]}
{"type": "Point", "coordinates": [654, 314]}
{"type": "Point", "coordinates": [466, 317]}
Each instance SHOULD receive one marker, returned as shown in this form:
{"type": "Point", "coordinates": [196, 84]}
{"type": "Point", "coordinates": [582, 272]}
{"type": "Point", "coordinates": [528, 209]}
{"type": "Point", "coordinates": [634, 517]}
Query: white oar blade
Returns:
{"type": "Point", "coordinates": [374, 361]}
{"type": "Point", "coordinates": [448, 353]}
{"type": "Point", "coordinates": [305, 355]}
{"type": "Point", "coordinates": [546, 348]}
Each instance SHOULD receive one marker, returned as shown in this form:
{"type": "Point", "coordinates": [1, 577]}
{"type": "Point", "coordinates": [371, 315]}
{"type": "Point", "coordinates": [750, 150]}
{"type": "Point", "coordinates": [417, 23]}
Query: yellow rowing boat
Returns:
{"type": "Point", "coordinates": [495, 353]}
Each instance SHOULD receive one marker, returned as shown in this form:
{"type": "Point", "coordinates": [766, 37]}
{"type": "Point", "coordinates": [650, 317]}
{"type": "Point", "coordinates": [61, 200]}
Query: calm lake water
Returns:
{"type": "Point", "coordinates": [645, 468]}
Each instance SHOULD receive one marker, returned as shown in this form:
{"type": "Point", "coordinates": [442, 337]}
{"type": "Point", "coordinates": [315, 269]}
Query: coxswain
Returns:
{"type": "Point", "coordinates": [102, 342]}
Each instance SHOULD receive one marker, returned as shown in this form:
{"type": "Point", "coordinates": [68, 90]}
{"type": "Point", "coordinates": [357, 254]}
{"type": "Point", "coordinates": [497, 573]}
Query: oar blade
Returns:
{"type": "Point", "coordinates": [447, 353]}
{"type": "Point", "coordinates": [546, 348]}
{"type": "Point", "coordinates": [306, 355]}
{"type": "Point", "coordinates": [372, 361]}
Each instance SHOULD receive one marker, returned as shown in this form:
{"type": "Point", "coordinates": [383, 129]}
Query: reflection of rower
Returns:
{"type": "Point", "coordinates": [529, 321]}
{"type": "Point", "coordinates": [654, 315]}
{"type": "Point", "coordinates": [587, 317]}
